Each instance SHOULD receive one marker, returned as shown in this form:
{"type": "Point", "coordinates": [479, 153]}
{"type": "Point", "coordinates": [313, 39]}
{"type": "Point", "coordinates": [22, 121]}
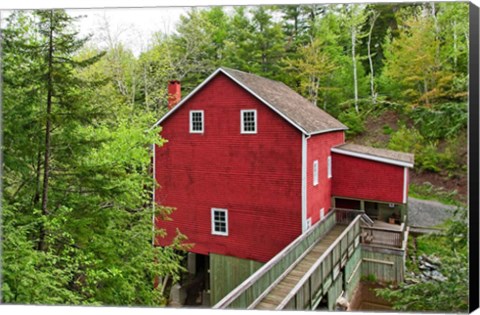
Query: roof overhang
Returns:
{"type": "Point", "coordinates": [210, 77]}
{"type": "Point", "coordinates": [372, 157]}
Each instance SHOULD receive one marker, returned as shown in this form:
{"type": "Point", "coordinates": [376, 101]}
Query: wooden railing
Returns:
{"type": "Point", "coordinates": [324, 271]}
{"type": "Point", "coordinates": [254, 288]}
{"type": "Point", "coordinates": [345, 216]}
{"type": "Point", "coordinates": [383, 236]}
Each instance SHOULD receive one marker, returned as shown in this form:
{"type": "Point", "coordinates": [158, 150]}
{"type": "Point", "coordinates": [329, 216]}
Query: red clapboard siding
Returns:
{"type": "Point", "coordinates": [257, 177]}
{"type": "Point", "coordinates": [365, 179]}
{"type": "Point", "coordinates": [318, 148]}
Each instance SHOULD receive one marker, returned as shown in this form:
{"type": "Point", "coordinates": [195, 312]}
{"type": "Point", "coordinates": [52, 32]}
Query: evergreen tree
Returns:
{"type": "Point", "coordinates": [77, 204]}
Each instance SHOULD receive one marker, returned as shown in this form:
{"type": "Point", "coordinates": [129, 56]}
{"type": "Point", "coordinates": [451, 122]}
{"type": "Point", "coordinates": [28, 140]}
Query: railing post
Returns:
{"type": "Point", "coordinates": [341, 252]}
{"type": "Point", "coordinates": [310, 291]}
{"type": "Point", "coordinates": [331, 264]}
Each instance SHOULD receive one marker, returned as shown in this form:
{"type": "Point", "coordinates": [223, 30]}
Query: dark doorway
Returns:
{"type": "Point", "coordinates": [347, 203]}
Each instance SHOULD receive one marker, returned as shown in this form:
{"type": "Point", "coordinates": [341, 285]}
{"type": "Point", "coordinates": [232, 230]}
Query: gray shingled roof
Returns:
{"type": "Point", "coordinates": [375, 152]}
{"type": "Point", "coordinates": [293, 106]}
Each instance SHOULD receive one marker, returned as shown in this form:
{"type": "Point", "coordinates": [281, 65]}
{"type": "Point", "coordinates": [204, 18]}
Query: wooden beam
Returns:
{"type": "Point", "coordinates": [385, 262]}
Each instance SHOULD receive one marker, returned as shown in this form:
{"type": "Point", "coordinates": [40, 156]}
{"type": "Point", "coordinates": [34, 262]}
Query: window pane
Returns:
{"type": "Point", "coordinates": [196, 121]}
{"type": "Point", "coordinates": [249, 121]}
{"type": "Point", "coordinates": [219, 221]}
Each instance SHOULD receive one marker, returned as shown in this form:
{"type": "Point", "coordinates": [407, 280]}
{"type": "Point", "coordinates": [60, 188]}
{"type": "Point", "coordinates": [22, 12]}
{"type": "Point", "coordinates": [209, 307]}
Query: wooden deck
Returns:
{"type": "Point", "coordinates": [384, 234]}
{"type": "Point", "coordinates": [281, 290]}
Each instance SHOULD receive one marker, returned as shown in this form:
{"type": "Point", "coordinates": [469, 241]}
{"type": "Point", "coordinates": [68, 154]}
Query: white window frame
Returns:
{"type": "Point", "coordinates": [191, 121]}
{"type": "Point", "coordinates": [329, 166]}
{"type": "Point", "coordinates": [214, 232]}
{"type": "Point", "coordinates": [315, 173]}
{"type": "Point", "coordinates": [242, 126]}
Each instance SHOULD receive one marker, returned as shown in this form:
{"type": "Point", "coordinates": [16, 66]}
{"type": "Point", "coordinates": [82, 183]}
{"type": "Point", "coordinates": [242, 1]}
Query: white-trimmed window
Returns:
{"type": "Point", "coordinates": [248, 122]}
{"type": "Point", "coordinates": [315, 173]}
{"type": "Point", "coordinates": [329, 167]}
{"type": "Point", "coordinates": [196, 121]}
{"type": "Point", "coordinates": [220, 221]}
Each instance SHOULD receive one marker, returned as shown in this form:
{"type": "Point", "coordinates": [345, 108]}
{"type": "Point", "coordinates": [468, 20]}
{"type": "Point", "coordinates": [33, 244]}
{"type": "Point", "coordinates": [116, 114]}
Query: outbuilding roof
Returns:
{"type": "Point", "coordinates": [381, 155]}
{"type": "Point", "coordinates": [293, 107]}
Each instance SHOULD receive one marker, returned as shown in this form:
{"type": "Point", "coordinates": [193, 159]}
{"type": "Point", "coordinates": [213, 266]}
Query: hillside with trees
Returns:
{"type": "Point", "coordinates": [77, 210]}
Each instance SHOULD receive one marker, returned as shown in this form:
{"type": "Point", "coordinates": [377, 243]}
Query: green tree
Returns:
{"type": "Point", "coordinates": [312, 68]}
{"type": "Point", "coordinates": [413, 71]}
{"type": "Point", "coordinates": [96, 246]}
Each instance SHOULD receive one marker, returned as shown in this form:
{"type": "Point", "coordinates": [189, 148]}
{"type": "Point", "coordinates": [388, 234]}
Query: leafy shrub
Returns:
{"type": "Point", "coordinates": [387, 130]}
{"type": "Point", "coordinates": [353, 121]}
{"type": "Point", "coordinates": [406, 140]}
{"type": "Point", "coordinates": [370, 278]}
{"type": "Point", "coordinates": [428, 158]}
{"type": "Point", "coordinates": [441, 121]}
{"type": "Point", "coordinates": [427, 154]}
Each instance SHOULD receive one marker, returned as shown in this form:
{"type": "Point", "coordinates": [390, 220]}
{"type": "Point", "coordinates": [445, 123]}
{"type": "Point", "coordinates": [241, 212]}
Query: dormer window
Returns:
{"type": "Point", "coordinates": [248, 121]}
{"type": "Point", "coordinates": [196, 121]}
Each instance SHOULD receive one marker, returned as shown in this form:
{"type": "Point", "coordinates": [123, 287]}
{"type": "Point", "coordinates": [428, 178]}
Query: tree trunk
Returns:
{"type": "Point", "coordinates": [38, 175]}
{"type": "Point", "coordinates": [354, 62]}
{"type": "Point", "coordinates": [372, 87]}
{"type": "Point", "coordinates": [145, 84]}
{"type": "Point", "coordinates": [46, 162]}
{"type": "Point", "coordinates": [425, 90]}
{"type": "Point", "coordinates": [455, 45]}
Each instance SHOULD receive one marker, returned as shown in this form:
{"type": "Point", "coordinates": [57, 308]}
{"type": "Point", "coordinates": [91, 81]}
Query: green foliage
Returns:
{"type": "Point", "coordinates": [353, 121]}
{"type": "Point", "coordinates": [387, 130]}
{"type": "Point", "coordinates": [450, 295]}
{"type": "Point", "coordinates": [369, 278]}
{"type": "Point", "coordinates": [428, 192]}
{"type": "Point", "coordinates": [405, 140]}
{"type": "Point", "coordinates": [97, 246]}
{"type": "Point", "coordinates": [442, 121]}
{"type": "Point", "coordinates": [428, 156]}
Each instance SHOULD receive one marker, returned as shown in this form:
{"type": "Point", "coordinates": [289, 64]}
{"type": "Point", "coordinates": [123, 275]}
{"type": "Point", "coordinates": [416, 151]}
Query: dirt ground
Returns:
{"type": "Point", "coordinates": [374, 134]}
{"type": "Point", "coordinates": [447, 184]}
{"type": "Point", "coordinates": [364, 298]}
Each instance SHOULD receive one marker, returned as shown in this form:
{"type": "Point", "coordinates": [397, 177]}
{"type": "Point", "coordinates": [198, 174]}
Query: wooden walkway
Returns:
{"type": "Point", "coordinates": [281, 290]}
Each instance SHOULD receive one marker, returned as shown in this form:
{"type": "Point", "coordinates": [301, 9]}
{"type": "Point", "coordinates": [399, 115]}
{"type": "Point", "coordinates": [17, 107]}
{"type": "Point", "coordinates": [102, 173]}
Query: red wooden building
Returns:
{"type": "Point", "coordinates": [250, 164]}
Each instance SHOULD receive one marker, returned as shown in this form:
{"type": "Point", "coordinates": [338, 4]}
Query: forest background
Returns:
{"type": "Point", "coordinates": [77, 212]}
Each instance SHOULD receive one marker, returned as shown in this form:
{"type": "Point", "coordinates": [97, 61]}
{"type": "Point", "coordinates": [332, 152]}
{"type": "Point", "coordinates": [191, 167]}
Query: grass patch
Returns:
{"type": "Point", "coordinates": [432, 244]}
{"type": "Point", "coordinates": [428, 245]}
{"type": "Point", "coordinates": [427, 191]}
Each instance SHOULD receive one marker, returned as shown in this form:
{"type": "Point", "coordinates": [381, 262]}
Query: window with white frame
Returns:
{"type": "Point", "coordinates": [196, 121]}
{"type": "Point", "coordinates": [248, 121]}
{"type": "Point", "coordinates": [220, 221]}
{"type": "Point", "coordinates": [315, 173]}
{"type": "Point", "coordinates": [329, 167]}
